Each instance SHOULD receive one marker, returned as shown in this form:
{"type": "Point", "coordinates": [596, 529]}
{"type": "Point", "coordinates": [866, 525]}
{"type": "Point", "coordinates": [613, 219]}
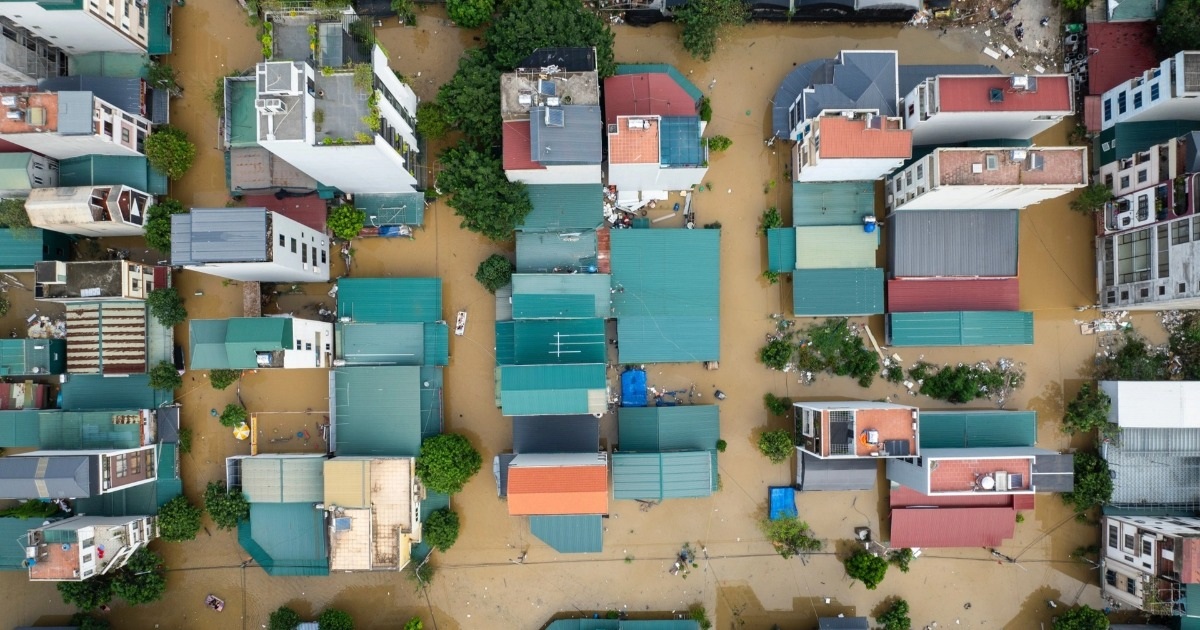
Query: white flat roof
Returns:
{"type": "Point", "coordinates": [1154, 404]}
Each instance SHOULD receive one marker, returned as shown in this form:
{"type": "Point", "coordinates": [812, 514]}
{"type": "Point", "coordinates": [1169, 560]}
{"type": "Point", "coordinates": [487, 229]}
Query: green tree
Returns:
{"type": "Point", "coordinates": [791, 536]}
{"type": "Point", "coordinates": [169, 151]}
{"type": "Point", "coordinates": [1184, 343]}
{"type": "Point", "coordinates": [777, 353]}
{"type": "Point", "coordinates": [226, 507]}
{"type": "Point", "coordinates": [158, 223]}
{"type": "Point", "coordinates": [494, 272]}
{"type": "Point", "coordinates": [1088, 411]}
{"type": "Point", "coordinates": [1179, 27]}
{"type": "Point", "coordinates": [776, 405]}
{"type": "Point", "coordinates": [165, 376]}
{"type": "Point", "coordinates": [414, 624]}
{"type": "Point", "coordinates": [902, 558]}
{"type": "Point", "coordinates": [720, 143]}
{"type": "Point", "coordinates": [178, 520]}
{"type": "Point", "coordinates": [162, 76]}
{"type": "Point", "coordinates": [404, 11]}
{"type": "Point", "coordinates": [1093, 483]}
{"type": "Point", "coordinates": [1081, 618]}
{"type": "Point", "coordinates": [697, 613]}
{"type": "Point", "coordinates": [14, 217]}
{"type": "Point", "coordinates": [842, 351]}
{"type": "Point", "coordinates": [334, 619]}
{"type": "Point", "coordinates": [233, 415]}
{"type": "Point", "coordinates": [346, 221]}
{"type": "Point", "coordinates": [1076, 5]}
{"type": "Point", "coordinates": [222, 379]}
{"type": "Point", "coordinates": [769, 220]}
{"type": "Point", "coordinates": [1091, 199]}
{"type": "Point", "coordinates": [446, 462]}
{"type": "Point", "coordinates": [283, 618]}
{"type": "Point", "coordinates": [431, 120]}
{"type": "Point", "coordinates": [5, 304]}
{"type": "Point", "coordinates": [896, 617]}
{"type": "Point", "coordinates": [85, 621]}
{"type": "Point", "coordinates": [185, 440]}
{"type": "Point", "coordinates": [440, 529]}
{"type": "Point", "coordinates": [470, 101]}
{"type": "Point", "coordinates": [89, 594]}
{"type": "Point", "coordinates": [513, 35]}
{"type": "Point", "coordinates": [470, 13]}
{"type": "Point", "coordinates": [703, 22]}
{"type": "Point", "coordinates": [481, 195]}
{"type": "Point", "coordinates": [1133, 360]}
{"type": "Point", "coordinates": [776, 445]}
{"type": "Point", "coordinates": [867, 568]}
{"type": "Point", "coordinates": [142, 580]}
{"type": "Point", "coordinates": [166, 305]}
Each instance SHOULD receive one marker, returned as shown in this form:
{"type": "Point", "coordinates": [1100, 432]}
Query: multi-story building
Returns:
{"type": "Point", "coordinates": [23, 172]}
{"type": "Point", "coordinates": [1150, 267]}
{"type": "Point", "coordinates": [1168, 92]}
{"type": "Point", "coordinates": [1152, 404]}
{"type": "Point", "coordinates": [70, 124]}
{"type": "Point", "coordinates": [946, 109]}
{"type": "Point", "coordinates": [994, 470]}
{"type": "Point", "coordinates": [26, 57]}
{"type": "Point", "coordinates": [77, 474]}
{"type": "Point", "coordinates": [1160, 183]}
{"type": "Point", "coordinates": [1151, 562]}
{"type": "Point", "coordinates": [79, 26]}
{"type": "Point", "coordinates": [249, 244]}
{"type": "Point", "coordinates": [374, 509]}
{"type": "Point", "coordinates": [97, 281]}
{"type": "Point", "coordinates": [77, 548]}
{"type": "Point", "coordinates": [250, 343]}
{"type": "Point", "coordinates": [987, 178]}
{"type": "Point", "coordinates": [97, 211]}
{"type": "Point", "coordinates": [856, 429]}
{"type": "Point", "coordinates": [851, 147]}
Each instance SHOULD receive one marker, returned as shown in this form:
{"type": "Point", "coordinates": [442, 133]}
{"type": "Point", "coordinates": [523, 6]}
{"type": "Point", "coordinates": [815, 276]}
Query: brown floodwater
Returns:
{"type": "Point", "coordinates": [742, 580]}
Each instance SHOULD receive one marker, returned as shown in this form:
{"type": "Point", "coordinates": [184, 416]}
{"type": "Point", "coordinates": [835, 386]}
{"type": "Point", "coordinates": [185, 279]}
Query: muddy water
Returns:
{"type": "Point", "coordinates": [477, 585]}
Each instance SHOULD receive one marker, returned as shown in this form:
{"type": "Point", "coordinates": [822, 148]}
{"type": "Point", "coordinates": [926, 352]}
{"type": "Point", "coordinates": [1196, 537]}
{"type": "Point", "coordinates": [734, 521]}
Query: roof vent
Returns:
{"type": "Point", "coordinates": [977, 168]}
{"type": "Point", "coordinates": [555, 117]}
{"type": "Point", "coordinates": [1024, 82]}
{"type": "Point", "coordinates": [525, 99]}
{"type": "Point", "coordinates": [268, 105]}
{"type": "Point", "coordinates": [547, 88]}
{"type": "Point", "coordinates": [1018, 155]}
{"type": "Point", "coordinates": [553, 101]}
{"type": "Point", "coordinates": [996, 95]}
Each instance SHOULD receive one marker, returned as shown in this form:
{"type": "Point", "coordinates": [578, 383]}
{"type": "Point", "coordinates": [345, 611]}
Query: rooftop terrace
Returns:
{"type": "Point", "coordinates": [633, 141]}
{"type": "Point", "coordinates": [521, 91]}
{"type": "Point", "coordinates": [833, 430]}
{"type": "Point", "coordinates": [983, 474]}
{"type": "Point", "coordinates": [1012, 167]}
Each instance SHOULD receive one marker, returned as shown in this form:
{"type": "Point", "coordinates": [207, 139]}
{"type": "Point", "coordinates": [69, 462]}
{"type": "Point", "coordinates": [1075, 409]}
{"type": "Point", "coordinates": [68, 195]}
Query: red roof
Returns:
{"type": "Point", "coordinates": [308, 210]}
{"type": "Point", "coordinates": [1023, 501]}
{"type": "Point", "coordinates": [1091, 113]}
{"type": "Point", "coordinates": [1124, 50]}
{"type": "Point", "coordinates": [651, 94]}
{"type": "Point", "coordinates": [518, 147]}
{"type": "Point", "coordinates": [952, 527]}
{"type": "Point", "coordinates": [845, 138]}
{"type": "Point", "coordinates": [904, 497]}
{"type": "Point", "coordinates": [974, 94]}
{"type": "Point", "coordinates": [557, 490]}
{"type": "Point", "coordinates": [919, 295]}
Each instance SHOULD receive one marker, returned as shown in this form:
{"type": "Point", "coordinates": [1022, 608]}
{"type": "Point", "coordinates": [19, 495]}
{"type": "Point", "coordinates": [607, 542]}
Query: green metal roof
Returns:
{"type": "Point", "coordinates": [961, 328]}
{"type": "Point", "coordinates": [109, 64]}
{"type": "Point", "coordinates": [286, 539]}
{"type": "Point", "coordinates": [681, 428]}
{"type": "Point", "coordinates": [627, 624]}
{"type": "Point", "coordinates": [544, 252]}
{"type": "Point", "coordinates": [652, 476]}
{"type": "Point", "coordinates": [977, 428]}
{"type": "Point", "coordinates": [544, 342]}
{"type": "Point", "coordinates": [781, 249]}
{"type": "Point", "coordinates": [19, 428]}
{"type": "Point", "coordinates": [159, 31]}
{"type": "Point", "coordinates": [1135, 10]}
{"type": "Point", "coordinates": [14, 171]}
{"type": "Point", "coordinates": [234, 343]}
{"type": "Point", "coordinates": [390, 300]}
{"type": "Point", "coordinates": [103, 170]}
{"type": "Point", "coordinates": [835, 247]}
{"type": "Point", "coordinates": [832, 203]}
{"type": "Point", "coordinates": [12, 531]}
{"type": "Point", "coordinates": [570, 533]}
{"type": "Point", "coordinates": [94, 392]}
{"type": "Point", "coordinates": [561, 296]}
{"type": "Point", "coordinates": [75, 430]}
{"type": "Point", "coordinates": [431, 401]}
{"type": "Point", "coordinates": [241, 118]}
{"type": "Point", "coordinates": [837, 292]}
{"type": "Point", "coordinates": [532, 390]}
{"type": "Point", "coordinates": [662, 68]}
{"type": "Point", "coordinates": [667, 295]}
{"type": "Point", "coordinates": [274, 479]}
{"type": "Point", "coordinates": [391, 209]}
{"type": "Point", "coordinates": [29, 357]}
{"type": "Point", "coordinates": [134, 501]}
{"type": "Point", "coordinates": [393, 344]}
{"type": "Point", "coordinates": [21, 249]}
{"type": "Point", "coordinates": [169, 485]}
{"type": "Point", "coordinates": [559, 207]}
{"type": "Point", "coordinates": [1127, 138]}
{"type": "Point", "coordinates": [377, 411]}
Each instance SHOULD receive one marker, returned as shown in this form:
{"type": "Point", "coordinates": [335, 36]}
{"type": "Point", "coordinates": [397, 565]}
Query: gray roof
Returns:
{"type": "Point", "coordinates": [117, 91]}
{"type": "Point", "coordinates": [843, 623]}
{"type": "Point", "coordinates": [855, 80]}
{"type": "Point", "coordinates": [1191, 143]}
{"type": "Point", "coordinates": [556, 434]}
{"type": "Point", "coordinates": [502, 461]}
{"type": "Point", "coordinates": [168, 424]}
{"type": "Point", "coordinates": [1155, 467]}
{"type": "Point", "coordinates": [962, 243]}
{"type": "Point", "coordinates": [1054, 473]}
{"type": "Point", "coordinates": [211, 235]}
{"type": "Point", "coordinates": [578, 141]}
{"type": "Point", "coordinates": [63, 477]}
{"type": "Point", "coordinates": [568, 59]}
{"type": "Point", "coordinates": [75, 114]}
{"type": "Point", "coordinates": [816, 474]}
{"type": "Point", "coordinates": [910, 76]}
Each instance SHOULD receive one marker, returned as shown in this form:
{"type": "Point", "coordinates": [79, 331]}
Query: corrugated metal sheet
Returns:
{"type": "Point", "coordinates": [663, 316]}
{"type": "Point", "coordinates": [159, 28]}
{"type": "Point", "coordinates": [530, 390]}
{"type": "Point", "coordinates": [136, 501]}
{"type": "Point", "coordinates": [952, 527]}
{"type": "Point", "coordinates": [561, 296]}
{"type": "Point", "coordinates": [1054, 472]}
{"type": "Point", "coordinates": [555, 434]}
{"type": "Point", "coordinates": [653, 476]}
{"type": "Point", "coordinates": [974, 428]}
{"type": "Point", "coordinates": [626, 624]}
{"type": "Point", "coordinates": [570, 534]}
{"type": "Point", "coordinates": [211, 235]}
{"type": "Point", "coordinates": [12, 556]}
{"type": "Point", "coordinates": [929, 243]}
{"type": "Point", "coordinates": [837, 292]}
{"type": "Point", "coordinates": [961, 328]}
{"type": "Point", "coordinates": [274, 479]}
{"type": "Point", "coordinates": [914, 295]}
{"type": "Point", "coordinates": [545, 252]}
{"type": "Point", "coordinates": [662, 68]}
{"type": "Point", "coordinates": [89, 392]}
{"type": "Point", "coordinates": [124, 93]}
{"type": "Point", "coordinates": [20, 250]}
{"type": "Point", "coordinates": [169, 485]}
{"type": "Point", "coordinates": [843, 623]}
{"type": "Point", "coordinates": [781, 249]}
{"type": "Point", "coordinates": [75, 430]}
{"type": "Point", "coordinates": [437, 343]}
{"type": "Point", "coordinates": [832, 203]}
{"type": "Point", "coordinates": [506, 343]}
{"type": "Point", "coordinates": [390, 300]}
{"type": "Point", "coordinates": [559, 207]}
{"type": "Point", "coordinates": [381, 344]}
{"type": "Point", "coordinates": [48, 477]}
{"type": "Point", "coordinates": [397, 209]}
{"type": "Point", "coordinates": [377, 411]}
{"type": "Point", "coordinates": [576, 141]}
{"type": "Point", "coordinates": [107, 338]}
{"type": "Point", "coordinates": [286, 539]}
{"type": "Point", "coordinates": [504, 309]}
{"type": "Point", "coordinates": [835, 247]}
{"type": "Point", "coordinates": [28, 357]}
{"type": "Point", "coordinates": [560, 341]}
{"type": "Point", "coordinates": [19, 429]}
{"type": "Point", "coordinates": [845, 474]}
{"type": "Point", "coordinates": [681, 428]}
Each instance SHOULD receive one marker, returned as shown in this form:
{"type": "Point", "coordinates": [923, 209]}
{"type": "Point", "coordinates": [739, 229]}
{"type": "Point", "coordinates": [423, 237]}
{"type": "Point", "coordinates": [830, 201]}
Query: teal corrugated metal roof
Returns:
{"type": "Point", "coordinates": [961, 328]}
{"type": "Point", "coordinates": [396, 300]}
{"type": "Point", "coordinates": [781, 249]}
{"type": "Point", "coordinates": [21, 249]}
{"type": "Point", "coordinates": [662, 68]}
{"type": "Point", "coordinates": [12, 531]}
{"type": "Point", "coordinates": [169, 485]}
{"type": "Point", "coordinates": [570, 533]}
{"type": "Point", "coordinates": [837, 292]}
{"type": "Point", "coordinates": [27, 357]}
{"type": "Point", "coordinates": [545, 342]}
{"type": "Point", "coordinates": [1140, 10]}
{"type": "Point", "coordinates": [393, 209]}
{"type": "Point", "coordinates": [437, 343]}
{"type": "Point", "coordinates": [977, 428]}
{"type": "Point", "coordinates": [91, 392]}
{"type": "Point", "coordinates": [286, 539]}
{"type": "Point", "coordinates": [74, 430]}
{"type": "Point", "coordinates": [667, 295]}
{"type": "Point", "coordinates": [104, 170]}
{"type": "Point", "coordinates": [560, 207]}
{"type": "Point", "coordinates": [19, 429]}
{"type": "Point", "coordinates": [377, 411]}
{"type": "Point", "coordinates": [271, 479]}
{"type": "Point", "coordinates": [233, 343]}
{"type": "Point", "coordinates": [431, 401]}
{"type": "Point", "coordinates": [542, 306]}
{"type": "Point", "coordinates": [241, 118]}
{"type": "Point", "coordinates": [832, 203]}
{"type": "Point", "coordinates": [545, 252]}
{"type": "Point", "coordinates": [135, 501]}
{"type": "Point", "coordinates": [14, 171]}
{"type": "Point", "coordinates": [1127, 138]}
{"type": "Point", "coordinates": [159, 28]}
{"type": "Point", "coordinates": [675, 475]}
{"type": "Point", "coordinates": [681, 428]}
{"type": "Point", "coordinates": [835, 247]}
{"type": "Point", "coordinates": [561, 296]}
{"type": "Point", "coordinates": [381, 344]}
{"type": "Point", "coordinates": [506, 343]}
{"type": "Point", "coordinates": [531, 390]}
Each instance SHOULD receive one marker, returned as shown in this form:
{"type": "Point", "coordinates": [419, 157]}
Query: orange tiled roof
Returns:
{"type": "Point", "coordinates": [845, 138]}
{"type": "Point", "coordinates": [538, 490]}
{"type": "Point", "coordinates": [634, 145]}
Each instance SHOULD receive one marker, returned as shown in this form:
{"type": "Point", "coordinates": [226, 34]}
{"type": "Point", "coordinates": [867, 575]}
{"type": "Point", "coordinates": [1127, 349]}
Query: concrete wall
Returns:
{"type": "Point", "coordinates": [63, 147]}
{"type": "Point", "coordinates": [574, 174]}
{"type": "Point", "coordinates": [355, 168]}
{"type": "Point", "coordinates": [848, 170]}
{"type": "Point", "coordinates": [907, 473]}
{"type": "Point", "coordinates": [1155, 292]}
{"type": "Point", "coordinates": [306, 260]}
{"type": "Point", "coordinates": [983, 197]}
{"type": "Point", "coordinates": [312, 344]}
{"type": "Point", "coordinates": [652, 177]}
{"type": "Point", "coordinates": [85, 32]}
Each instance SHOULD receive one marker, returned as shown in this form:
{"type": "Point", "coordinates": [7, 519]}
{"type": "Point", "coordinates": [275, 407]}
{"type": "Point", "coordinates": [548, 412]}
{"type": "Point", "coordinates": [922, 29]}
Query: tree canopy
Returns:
{"type": "Point", "coordinates": [1133, 360]}
{"type": "Point", "coordinates": [513, 35]}
{"type": "Point", "coordinates": [1093, 482]}
{"type": "Point", "coordinates": [178, 520]}
{"type": "Point", "coordinates": [142, 580]}
{"type": "Point", "coordinates": [776, 445]}
{"type": "Point", "coordinates": [165, 376]}
{"type": "Point", "coordinates": [334, 619]}
{"type": "Point", "coordinates": [346, 221]}
{"type": "Point", "coordinates": [88, 594]}
{"type": "Point", "coordinates": [158, 223]}
{"type": "Point", "coordinates": [1180, 27]}
{"type": "Point", "coordinates": [896, 616]}
{"type": "Point", "coordinates": [447, 462]}
{"type": "Point", "coordinates": [494, 272]}
{"type": "Point", "coordinates": [1088, 411]}
{"type": "Point", "coordinates": [482, 196]}
{"type": "Point", "coordinates": [14, 217]}
{"type": "Point", "coordinates": [440, 529]}
{"type": "Point", "coordinates": [470, 13]}
{"type": "Point", "coordinates": [777, 406]}
{"type": "Point", "coordinates": [470, 100]}
{"type": "Point", "coordinates": [169, 150]}
{"type": "Point", "coordinates": [1081, 618]}
{"type": "Point", "coordinates": [283, 618]}
{"type": "Point", "coordinates": [166, 305]}
{"type": "Point", "coordinates": [226, 507]}
{"type": "Point", "coordinates": [1091, 198]}
{"type": "Point", "coordinates": [233, 415]}
{"type": "Point", "coordinates": [431, 120]}
{"type": "Point", "coordinates": [867, 568]}
{"type": "Point", "coordinates": [791, 536]}
{"type": "Point", "coordinates": [704, 20]}
{"type": "Point", "coordinates": [222, 379]}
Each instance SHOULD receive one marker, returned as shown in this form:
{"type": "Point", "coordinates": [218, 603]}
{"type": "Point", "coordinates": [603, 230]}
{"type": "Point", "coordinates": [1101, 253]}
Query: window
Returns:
{"type": "Point", "coordinates": [992, 161]}
{"type": "Point", "coordinates": [304, 253]}
{"type": "Point", "coordinates": [1137, 100]}
{"type": "Point", "coordinates": [908, 178]}
{"type": "Point", "coordinates": [898, 184]}
{"type": "Point", "coordinates": [124, 134]}
{"type": "Point", "coordinates": [1124, 181]}
{"type": "Point", "coordinates": [122, 466]}
{"type": "Point", "coordinates": [282, 241]}
{"type": "Point", "coordinates": [920, 171]}
{"type": "Point", "coordinates": [87, 557]}
{"type": "Point", "coordinates": [1143, 175]}
{"type": "Point", "coordinates": [293, 246]}
{"type": "Point", "coordinates": [299, 344]}
{"type": "Point", "coordinates": [1147, 547]}
{"type": "Point", "coordinates": [1107, 110]}
{"type": "Point", "coordinates": [1122, 104]}
{"type": "Point", "coordinates": [1180, 232]}
{"type": "Point", "coordinates": [135, 465]}
{"type": "Point", "coordinates": [912, 109]}
{"type": "Point", "coordinates": [1130, 586]}
{"type": "Point", "coordinates": [1154, 92]}
{"type": "Point", "coordinates": [1113, 536]}
{"type": "Point", "coordinates": [322, 257]}
{"type": "Point", "coordinates": [1110, 577]}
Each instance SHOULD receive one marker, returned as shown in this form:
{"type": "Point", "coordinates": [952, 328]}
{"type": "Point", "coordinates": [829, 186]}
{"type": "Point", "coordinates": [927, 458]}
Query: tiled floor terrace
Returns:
{"type": "Point", "coordinates": [962, 475]}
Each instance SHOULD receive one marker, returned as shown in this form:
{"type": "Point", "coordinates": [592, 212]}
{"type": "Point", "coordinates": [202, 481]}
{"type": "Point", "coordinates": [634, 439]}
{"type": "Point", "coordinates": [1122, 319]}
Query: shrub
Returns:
{"type": "Point", "coordinates": [222, 379]}
{"type": "Point", "coordinates": [776, 405]}
{"type": "Point", "coordinates": [88, 594]}
{"type": "Point", "coordinates": [776, 445]}
{"type": "Point", "coordinates": [902, 558]}
{"type": "Point", "coordinates": [791, 536]}
{"type": "Point", "coordinates": [494, 272]}
{"type": "Point", "coordinates": [719, 143]}
{"type": "Point", "coordinates": [769, 220]}
{"type": "Point", "coordinates": [185, 440]}
{"type": "Point", "coordinates": [964, 383]}
{"type": "Point", "coordinates": [722, 445]}
{"type": "Point", "coordinates": [469, 13]}
{"type": "Point", "coordinates": [4, 306]}
{"type": "Point", "coordinates": [14, 217]}
{"type": "Point", "coordinates": [414, 624]}
{"type": "Point", "coordinates": [158, 223]}
{"type": "Point", "coordinates": [283, 618]}
{"type": "Point", "coordinates": [777, 354]}
{"type": "Point", "coordinates": [166, 306]}
{"type": "Point", "coordinates": [480, 193]}
{"type": "Point", "coordinates": [446, 462]}
{"type": "Point", "coordinates": [1180, 27]}
{"type": "Point", "coordinates": [1082, 618]}
{"type": "Point", "coordinates": [867, 568]}
{"type": "Point", "coordinates": [1091, 199]}
{"type": "Point", "coordinates": [431, 120]}
{"type": "Point", "coordinates": [1093, 483]}
{"type": "Point", "coordinates": [1088, 411]}
{"type": "Point", "coordinates": [178, 520]}
{"type": "Point", "coordinates": [142, 580]}
{"type": "Point", "coordinates": [771, 276]}
{"type": "Point", "coordinates": [703, 21]}
{"type": "Point", "coordinates": [1133, 360]}
{"type": "Point", "coordinates": [334, 619]}
{"type": "Point", "coordinates": [896, 617]}
{"type": "Point", "coordinates": [30, 509]}
{"type": "Point", "coordinates": [346, 221]}
{"type": "Point", "coordinates": [440, 529]}
{"type": "Point", "coordinates": [226, 507]}
{"type": "Point", "coordinates": [705, 109]}
{"type": "Point", "coordinates": [233, 415]}
{"type": "Point", "coordinates": [165, 376]}
{"type": "Point", "coordinates": [841, 351]}
{"type": "Point", "coordinates": [169, 151]}
{"type": "Point", "coordinates": [698, 614]}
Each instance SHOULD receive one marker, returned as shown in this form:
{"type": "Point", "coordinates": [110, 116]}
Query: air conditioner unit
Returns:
{"type": "Point", "coordinates": [1020, 82]}
{"type": "Point", "coordinates": [268, 105]}
{"type": "Point", "coordinates": [1017, 155]}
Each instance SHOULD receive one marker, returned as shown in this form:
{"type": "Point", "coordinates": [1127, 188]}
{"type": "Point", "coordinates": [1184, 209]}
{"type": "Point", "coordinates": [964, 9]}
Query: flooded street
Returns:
{"type": "Point", "coordinates": [477, 585]}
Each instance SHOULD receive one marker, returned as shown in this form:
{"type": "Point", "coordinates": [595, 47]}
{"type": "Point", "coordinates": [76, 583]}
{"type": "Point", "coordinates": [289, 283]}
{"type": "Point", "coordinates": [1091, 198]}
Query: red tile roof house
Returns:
{"type": "Point", "coordinates": [552, 484]}
{"type": "Point", "coordinates": [1118, 52]}
{"type": "Point", "coordinates": [837, 148]}
{"type": "Point", "coordinates": [949, 109]}
{"type": "Point", "coordinates": [998, 178]}
{"type": "Point", "coordinates": [976, 520]}
{"type": "Point", "coordinates": [654, 133]}
{"type": "Point", "coordinates": [553, 131]}
{"type": "Point", "coordinates": [922, 295]}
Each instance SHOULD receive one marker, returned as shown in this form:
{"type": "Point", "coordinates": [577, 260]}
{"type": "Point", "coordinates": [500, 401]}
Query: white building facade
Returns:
{"type": "Point", "coordinates": [1152, 267]}
{"type": "Point", "coordinates": [1148, 561]}
{"type": "Point", "coordinates": [97, 211]}
{"type": "Point", "coordinates": [987, 179]}
{"type": "Point", "coordinates": [80, 547]}
{"type": "Point", "coordinates": [71, 124]}
{"type": "Point", "coordinates": [251, 244]}
{"type": "Point", "coordinates": [1168, 92]}
{"type": "Point", "coordinates": [957, 108]}
{"type": "Point", "coordinates": [96, 26]}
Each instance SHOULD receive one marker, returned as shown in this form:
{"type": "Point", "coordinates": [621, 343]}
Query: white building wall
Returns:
{"type": "Point", "coordinates": [1153, 404]}
{"type": "Point", "coordinates": [62, 147]}
{"type": "Point", "coordinates": [984, 197]}
{"type": "Point", "coordinates": [1135, 100]}
{"type": "Point", "coordinates": [573, 174]}
{"type": "Point", "coordinates": [300, 249]}
{"type": "Point", "coordinates": [78, 30]}
{"type": "Point", "coordinates": [397, 122]}
{"type": "Point", "coordinates": [312, 344]}
{"type": "Point", "coordinates": [848, 170]}
{"type": "Point", "coordinates": [356, 168]}
{"type": "Point", "coordinates": [1142, 170]}
{"type": "Point", "coordinates": [950, 127]}
{"type": "Point", "coordinates": [652, 177]}
{"type": "Point", "coordinates": [1159, 265]}
{"type": "Point", "coordinates": [254, 272]}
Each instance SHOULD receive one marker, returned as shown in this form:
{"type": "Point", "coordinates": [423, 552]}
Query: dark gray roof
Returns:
{"type": "Point", "coordinates": [556, 434]}
{"type": "Point", "coordinates": [502, 462]}
{"type": "Point", "coordinates": [1192, 152]}
{"type": "Point", "coordinates": [567, 59]}
{"type": "Point", "coordinates": [63, 477]}
{"type": "Point", "coordinates": [121, 92]}
{"type": "Point", "coordinates": [168, 424]}
{"type": "Point", "coordinates": [866, 80]}
{"type": "Point", "coordinates": [210, 235]}
{"type": "Point", "coordinates": [159, 106]}
{"type": "Point", "coordinates": [910, 76]}
{"type": "Point", "coordinates": [1054, 473]}
{"type": "Point", "coordinates": [816, 474]}
{"type": "Point", "coordinates": [843, 623]}
{"type": "Point", "coordinates": [577, 141]}
{"type": "Point", "coordinates": [75, 114]}
{"type": "Point", "coordinates": [953, 243]}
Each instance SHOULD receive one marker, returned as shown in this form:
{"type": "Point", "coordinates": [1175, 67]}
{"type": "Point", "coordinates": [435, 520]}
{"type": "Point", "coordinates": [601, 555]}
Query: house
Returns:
{"type": "Point", "coordinates": [102, 26]}
{"type": "Point", "coordinates": [856, 429]}
{"type": "Point", "coordinates": [979, 520]}
{"type": "Point", "coordinates": [384, 411]}
{"type": "Point", "coordinates": [848, 292]}
{"type": "Point", "coordinates": [916, 295]}
{"type": "Point", "coordinates": [966, 471]}
{"type": "Point", "coordinates": [373, 506]}
{"type": "Point", "coordinates": [1150, 561]}
{"type": "Point", "coordinates": [666, 452]}
{"type": "Point", "coordinates": [558, 484]}
{"type": "Point", "coordinates": [553, 131]}
{"type": "Point", "coordinates": [74, 474]}
{"type": "Point", "coordinates": [1150, 186]}
{"type": "Point", "coordinates": [32, 357]}
{"type": "Point", "coordinates": [253, 169]}
{"type": "Point", "coordinates": [22, 249]}
{"type": "Point", "coordinates": [943, 110]}
{"type": "Point", "coordinates": [1155, 469]}
{"type": "Point", "coordinates": [26, 57]}
{"type": "Point", "coordinates": [1119, 52]}
{"type": "Point", "coordinates": [815, 474]}
{"type": "Point", "coordinates": [249, 244]}
{"type": "Point", "coordinates": [960, 328]}
{"type": "Point", "coordinates": [986, 178]}
{"type": "Point", "coordinates": [386, 212]}
{"type": "Point", "coordinates": [529, 390]}
{"type": "Point", "coordinates": [67, 124]}
{"type": "Point", "coordinates": [655, 133]}
{"type": "Point", "coordinates": [1152, 404]}
{"type": "Point", "coordinates": [22, 396]}
{"type": "Point", "coordinates": [562, 295]}
{"type": "Point", "coordinates": [22, 172]}
{"type": "Point", "coordinates": [75, 549]}
{"type": "Point", "coordinates": [98, 211]}
{"type": "Point", "coordinates": [850, 147]}
{"type": "Point", "coordinates": [391, 321]}
{"type": "Point", "coordinates": [131, 94]}
{"type": "Point", "coordinates": [113, 337]}
{"type": "Point", "coordinates": [1133, 275]}
{"type": "Point", "coordinates": [562, 252]}
{"type": "Point", "coordinates": [389, 300]}
{"type": "Point", "coordinates": [250, 343]}
{"type": "Point", "coordinates": [565, 209]}
{"type": "Point", "coordinates": [546, 342]}
{"type": "Point", "coordinates": [286, 531]}
{"type": "Point", "coordinates": [97, 281]}
{"type": "Point", "coordinates": [1162, 93]}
